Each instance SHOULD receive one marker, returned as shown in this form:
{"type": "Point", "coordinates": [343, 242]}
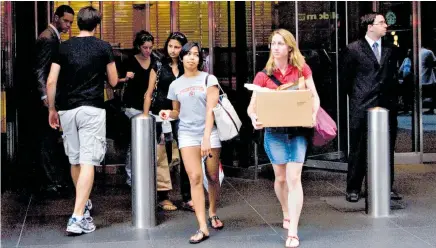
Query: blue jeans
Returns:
{"type": "Point", "coordinates": [283, 148]}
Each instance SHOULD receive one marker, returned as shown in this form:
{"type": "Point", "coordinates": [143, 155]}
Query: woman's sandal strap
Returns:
{"type": "Point", "coordinates": [215, 218]}
{"type": "Point", "coordinates": [203, 238]}
{"type": "Point", "coordinates": [292, 238]}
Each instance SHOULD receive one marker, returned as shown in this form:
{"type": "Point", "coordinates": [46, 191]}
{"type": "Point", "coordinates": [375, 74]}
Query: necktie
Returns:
{"type": "Point", "coordinates": [375, 50]}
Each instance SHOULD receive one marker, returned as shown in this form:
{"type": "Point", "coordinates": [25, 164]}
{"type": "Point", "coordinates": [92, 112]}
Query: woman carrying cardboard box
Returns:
{"type": "Point", "coordinates": [286, 147]}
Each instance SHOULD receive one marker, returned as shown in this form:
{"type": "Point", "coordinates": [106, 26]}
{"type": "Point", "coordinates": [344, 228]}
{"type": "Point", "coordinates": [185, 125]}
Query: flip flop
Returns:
{"type": "Point", "coordinates": [187, 207]}
{"type": "Point", "coordinates": [167, 205]}
{"type": "Point", "coordinates": [294, 242]}
{"type": "Point", "coordinates": [215, 218]}
{"type": "Point", "coordinates": [203, 238]}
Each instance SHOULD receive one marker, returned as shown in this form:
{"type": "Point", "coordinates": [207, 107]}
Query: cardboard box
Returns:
{"type": "Point", "coordinates": [288, 108]}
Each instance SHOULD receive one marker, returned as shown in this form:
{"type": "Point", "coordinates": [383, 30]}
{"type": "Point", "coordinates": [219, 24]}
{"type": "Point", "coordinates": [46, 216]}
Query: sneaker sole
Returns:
{"type": "Point", "coordinates": [79, 230]}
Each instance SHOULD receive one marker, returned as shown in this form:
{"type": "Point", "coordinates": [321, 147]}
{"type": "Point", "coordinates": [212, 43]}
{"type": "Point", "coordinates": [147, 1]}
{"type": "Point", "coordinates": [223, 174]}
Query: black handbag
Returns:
{"type": "Point", "coordinates": [118, 126]}
{"type": "Point", "coordinates": [158, 98]}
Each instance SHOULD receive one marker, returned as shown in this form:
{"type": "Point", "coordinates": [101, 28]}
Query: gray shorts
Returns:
{"type": "Point", "coordinates": [84, 134]}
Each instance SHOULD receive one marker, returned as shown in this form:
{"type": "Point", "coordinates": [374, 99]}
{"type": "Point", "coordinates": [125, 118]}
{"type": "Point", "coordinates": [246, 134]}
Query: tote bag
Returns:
{"type": "Point", "coordinates": [226, 119]}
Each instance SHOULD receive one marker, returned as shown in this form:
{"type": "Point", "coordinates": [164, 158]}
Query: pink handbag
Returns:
{"type": "Point", "coordinates": [325, 128]}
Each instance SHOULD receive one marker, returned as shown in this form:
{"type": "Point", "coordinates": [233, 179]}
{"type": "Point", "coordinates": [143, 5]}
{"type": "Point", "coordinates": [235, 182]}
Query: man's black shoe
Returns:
{"type": "Point", "coordinates": [395, 196]}
{"type": "Point", "coordinates": [352, 197]}
{"type": "Point", "coordinates": [429, 112]}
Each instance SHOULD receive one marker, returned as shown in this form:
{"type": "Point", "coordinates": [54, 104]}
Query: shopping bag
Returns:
{"type": "Point", "coordinates": [205, 181]}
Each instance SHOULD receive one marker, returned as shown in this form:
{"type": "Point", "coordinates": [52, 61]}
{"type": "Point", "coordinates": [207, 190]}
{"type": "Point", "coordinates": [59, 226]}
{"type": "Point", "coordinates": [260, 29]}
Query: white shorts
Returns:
{"type": "Point", "coordinates": [187, 139]}
{"type": "Point", "coordinates": [84, 134]}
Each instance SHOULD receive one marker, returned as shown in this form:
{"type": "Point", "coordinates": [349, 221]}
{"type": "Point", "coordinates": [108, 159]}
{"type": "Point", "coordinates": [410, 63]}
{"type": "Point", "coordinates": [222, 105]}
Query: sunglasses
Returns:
{"type": "Point", "coordinates": [178, 35]}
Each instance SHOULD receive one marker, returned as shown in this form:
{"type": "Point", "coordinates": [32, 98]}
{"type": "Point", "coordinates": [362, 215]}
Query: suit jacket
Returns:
{"type": "Point", "coordinates": [369, 83]}
{"type": "Point", "coordinates": [47, 44]}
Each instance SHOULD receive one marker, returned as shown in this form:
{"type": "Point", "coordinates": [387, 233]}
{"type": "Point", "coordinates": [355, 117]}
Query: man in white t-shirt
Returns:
{"type": "Point", "coordinates": [428, 79]}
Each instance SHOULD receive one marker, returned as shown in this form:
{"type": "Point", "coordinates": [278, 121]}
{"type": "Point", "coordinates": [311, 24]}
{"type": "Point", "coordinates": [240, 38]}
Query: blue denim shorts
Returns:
{"type": "Point", "coordinates": [283, 148]}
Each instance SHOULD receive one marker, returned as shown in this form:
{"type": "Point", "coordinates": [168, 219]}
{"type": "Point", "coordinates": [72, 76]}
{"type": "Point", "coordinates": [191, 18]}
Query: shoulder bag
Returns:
{"type": "Point", "coordinates": [226, 119]}
{"type": "Point", "coordinates": [157, 98]}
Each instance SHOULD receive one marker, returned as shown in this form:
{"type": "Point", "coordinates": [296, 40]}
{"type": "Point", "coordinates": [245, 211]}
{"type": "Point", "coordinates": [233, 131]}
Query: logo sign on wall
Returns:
{"type": "Point", "coordinates": [391, 18]}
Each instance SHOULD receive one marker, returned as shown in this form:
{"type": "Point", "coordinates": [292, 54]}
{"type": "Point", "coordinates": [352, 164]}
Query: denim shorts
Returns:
{"type": "Point", "coordinates": [187, 139]}
{"type": "Point", "coordinates": [283, 148]}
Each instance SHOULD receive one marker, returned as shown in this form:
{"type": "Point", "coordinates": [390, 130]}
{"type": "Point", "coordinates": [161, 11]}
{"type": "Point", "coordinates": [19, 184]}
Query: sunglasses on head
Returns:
{"type": "Point", "coordinates": [178, 35]}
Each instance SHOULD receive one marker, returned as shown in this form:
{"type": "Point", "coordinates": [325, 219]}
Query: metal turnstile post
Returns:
{"type": "Point", "coordinates": [378, 175]}
{"type": "Point", "coordinates": [143, 171]}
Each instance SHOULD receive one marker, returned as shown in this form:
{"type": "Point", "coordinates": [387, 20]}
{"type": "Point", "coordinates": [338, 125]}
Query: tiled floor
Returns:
{"type": "Point", "coordinates": [249, 210]}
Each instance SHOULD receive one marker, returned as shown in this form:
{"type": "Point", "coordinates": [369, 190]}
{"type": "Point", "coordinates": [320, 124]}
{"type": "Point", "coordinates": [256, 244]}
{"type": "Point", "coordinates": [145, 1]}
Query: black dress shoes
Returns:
{"type": "Point", "coordinates": [352, 196]}
{"type": "Point", "coordinates": [395, 196]}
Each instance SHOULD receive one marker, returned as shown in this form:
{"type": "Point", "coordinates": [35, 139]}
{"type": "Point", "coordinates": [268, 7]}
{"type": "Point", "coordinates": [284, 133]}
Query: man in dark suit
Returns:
{"type": "Point", "coordinates": [50, 156]}
{"type": "Point", "coordinates": [369, 74]}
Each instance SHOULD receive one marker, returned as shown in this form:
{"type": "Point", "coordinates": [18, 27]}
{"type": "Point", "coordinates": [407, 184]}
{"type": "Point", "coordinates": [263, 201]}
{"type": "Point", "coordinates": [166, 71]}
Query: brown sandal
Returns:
{"type": "Point", "coordinates": [167, 205]}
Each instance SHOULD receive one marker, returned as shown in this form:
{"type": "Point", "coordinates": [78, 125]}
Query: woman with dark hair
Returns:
{"type": "Point", "coordinates": [161, 76]}
{"type": "Point", "coordinates": [193, 96]}
{"type": "Point", "coordinates": [138, 69]}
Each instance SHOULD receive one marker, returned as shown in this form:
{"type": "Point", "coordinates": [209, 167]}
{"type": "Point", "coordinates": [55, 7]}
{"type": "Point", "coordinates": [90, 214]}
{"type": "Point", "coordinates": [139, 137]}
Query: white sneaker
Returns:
{"type": "Point", "coordinates": [79, 227]}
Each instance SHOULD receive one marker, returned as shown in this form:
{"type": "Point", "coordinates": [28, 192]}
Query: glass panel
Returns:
{"type": "Point", "coordinates": [108, 22]}
{"type": "Point", "coordinates": [222, 20]}
{"type": "Point", "coordinates": [123, 24]}
{"type": "Point", "coordinates": [160, 22]}
{"type": "Point", "coordinates": [193, 21]}
{"type": "Point", "coordinates": [263, 21]}
{"type": "Point", "coordinates": [225, 42]}
{"type": "Point", "coordinates": [225, 62]}
{"type": "Point", "coordinates": [428, 71]}
{"type": "Point", "coordinates": [117, 23]}
{"type": "Point", "coordinates": [4, 62]}
{"type": "Point", "coordinates": [398, 15]}
{"type": "Point", "coordinates": [268, 16]}
{"type": "Point", "coordinates": [317, 33]}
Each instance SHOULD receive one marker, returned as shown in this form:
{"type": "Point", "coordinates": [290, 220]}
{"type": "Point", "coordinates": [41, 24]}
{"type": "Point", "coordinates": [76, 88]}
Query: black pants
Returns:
{"type": "Point", "coordinates": [52, 162]}
{"type": "Point", "coordinates": [185, 187]}
{"type": "Point", "coordinates": [407, 92]}
{"type": "Point", "coordinates": [358, 158]}
{"type": "Point", "coordinates": [430, 91]}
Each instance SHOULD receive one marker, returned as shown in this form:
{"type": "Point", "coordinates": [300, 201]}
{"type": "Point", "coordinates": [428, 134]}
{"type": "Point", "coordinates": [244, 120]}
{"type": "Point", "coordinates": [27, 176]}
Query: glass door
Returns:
{"type": "Point", "coordinates": [320, 31]}
{"type": "Point", "coordinates": [401, 30]}
{"type": "Point", "coordinates": [427, 77]}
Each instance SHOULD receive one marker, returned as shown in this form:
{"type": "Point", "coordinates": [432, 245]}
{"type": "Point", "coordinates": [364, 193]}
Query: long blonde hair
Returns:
{"type": "Point", "coordinates": [295, 56]}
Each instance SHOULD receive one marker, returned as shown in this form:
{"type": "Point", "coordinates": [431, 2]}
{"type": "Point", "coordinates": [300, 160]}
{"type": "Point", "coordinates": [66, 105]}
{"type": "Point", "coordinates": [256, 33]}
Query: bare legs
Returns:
{"type": "Point", "coordinates": [192, 161]}
{"type": "Point", "coordinates": [83, 178]}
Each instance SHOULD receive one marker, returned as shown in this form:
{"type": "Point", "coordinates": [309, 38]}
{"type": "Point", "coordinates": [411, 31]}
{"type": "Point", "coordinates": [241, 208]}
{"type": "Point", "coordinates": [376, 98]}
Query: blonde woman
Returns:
{"type": "Point", "coordinates": [286, 147]}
